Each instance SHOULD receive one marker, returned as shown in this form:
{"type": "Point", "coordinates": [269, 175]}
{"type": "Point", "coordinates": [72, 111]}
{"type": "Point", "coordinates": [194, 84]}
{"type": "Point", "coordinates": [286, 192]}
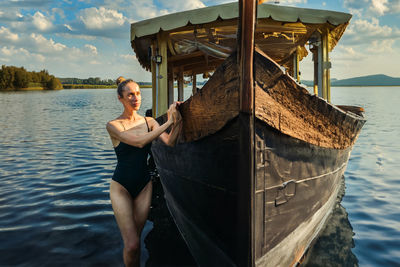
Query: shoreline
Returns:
{"type": "Point", "coordinates": [87, 86]}
{"type": "Point", "coordinates": [93, 86]}
{"type": "Point", "coordinates": [35, 88]}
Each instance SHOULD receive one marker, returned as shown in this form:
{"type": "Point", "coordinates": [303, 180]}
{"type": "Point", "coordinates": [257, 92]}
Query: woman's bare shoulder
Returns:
{"type": "Point", "coordinates": [152, 122]}
{"type": "Point", "coordinates": [114, 124]}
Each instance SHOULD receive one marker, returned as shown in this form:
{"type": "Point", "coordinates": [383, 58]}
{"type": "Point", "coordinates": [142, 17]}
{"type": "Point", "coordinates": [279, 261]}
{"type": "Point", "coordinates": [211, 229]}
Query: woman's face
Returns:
{"type": "Point", "coordinates": [131, 96]}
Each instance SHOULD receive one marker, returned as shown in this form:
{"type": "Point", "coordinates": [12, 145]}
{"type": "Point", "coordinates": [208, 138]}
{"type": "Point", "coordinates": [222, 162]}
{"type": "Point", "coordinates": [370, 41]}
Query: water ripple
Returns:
{"type": "Point", "coordinates": [57, 161]}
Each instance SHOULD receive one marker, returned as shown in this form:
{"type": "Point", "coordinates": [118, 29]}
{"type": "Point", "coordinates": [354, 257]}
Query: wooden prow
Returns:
{"type": "Point", "coordinates": [280, 102]}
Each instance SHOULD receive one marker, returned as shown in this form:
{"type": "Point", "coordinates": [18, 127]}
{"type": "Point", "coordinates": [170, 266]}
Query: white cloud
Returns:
{"type": "Point", "coordinates": [382, 46]}
{"type": "Point", "coordinates": [46, 45]}
{"type": "Point", "coordinates": [3, 59]}
{"type": "Point", "coordinates": [94, 62]}
{"type": "Point", "coordinates": [41, 22]}
{"type": "Point", "coordinates": [372, 7]}
{"type": "Point", "coordinates": [355, 4]}
{"type": "Point", "coordinates": [101, 18]}
{"type": "Point", "coordinates": [68, 27]}
{"type": "Point", "coordinates": [181, 5]}
{"type": "Point", "coordinates": [76, 36]}
{"type": "Point", "coordinates": [27, 3]}
{"type": "Point", "coordinates": [347, 53]}
{"type": "Point", "coordinates": [395, 6]}
{"type": "Point", "coordinates": [59, 12]}
{"type": "Point", "coordinates": [291, 2]}
{"type": "Point", "coordinates": [129, 57]}
{"type": "Point", "coordinates": [143, 9]}
{"type": "Point", "coordinates": [363, 31]}
{"type": "Point", "coordinates": [91, 48]}
{"type": "Point", "coordinates": [39, 57]}
{"type": "Point", "coordinates": [11, 51]}
{"type": "Point", "coordinates": [10, 15]}
{"type": "Point", "coordinates": [6, 34]}
{"type": "Point", "coordinates": [379, 7]}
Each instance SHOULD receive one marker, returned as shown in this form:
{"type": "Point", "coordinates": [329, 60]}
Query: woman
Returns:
{"type": "Point", "coordinates": [130, 187]}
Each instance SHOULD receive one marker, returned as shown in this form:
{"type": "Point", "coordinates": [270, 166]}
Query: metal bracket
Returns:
{"type": "Point", "coordinates": [285, 192]}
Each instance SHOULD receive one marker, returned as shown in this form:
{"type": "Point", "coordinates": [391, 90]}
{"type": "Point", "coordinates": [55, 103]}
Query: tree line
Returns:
{"type": "Point", "coordinates": [14, 78]}
{"type": "Point", "coordinates": [91, 80]}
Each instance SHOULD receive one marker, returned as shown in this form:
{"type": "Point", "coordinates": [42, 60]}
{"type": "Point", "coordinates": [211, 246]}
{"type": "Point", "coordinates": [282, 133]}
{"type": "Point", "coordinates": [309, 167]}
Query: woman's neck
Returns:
{"type": "Point", "coordinates": [130, 115]}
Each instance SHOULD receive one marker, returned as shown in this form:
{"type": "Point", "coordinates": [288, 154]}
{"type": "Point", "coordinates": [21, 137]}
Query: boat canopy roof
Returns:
{"type": "Point", "coordinates": [199, 40]}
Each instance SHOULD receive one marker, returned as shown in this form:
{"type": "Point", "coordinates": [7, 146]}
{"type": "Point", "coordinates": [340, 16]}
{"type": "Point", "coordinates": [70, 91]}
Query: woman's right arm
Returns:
{"type": "Point", "coordinates": [133, 139]}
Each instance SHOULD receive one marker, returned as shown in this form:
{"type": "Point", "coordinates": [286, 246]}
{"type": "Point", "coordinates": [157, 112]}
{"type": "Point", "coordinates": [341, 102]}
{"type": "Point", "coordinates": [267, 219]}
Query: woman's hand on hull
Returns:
{"type": "Point", "coordinates": [173, 114]}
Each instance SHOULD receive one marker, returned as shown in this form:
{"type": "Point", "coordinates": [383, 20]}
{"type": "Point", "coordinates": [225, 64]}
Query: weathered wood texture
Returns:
{"type": "Point", "coordinates": [294, 181]}
{"type": "Point", "coordinates": [200, 181]}
{"type": "Point", "coordinates": [280, 102]}
{"type": "Point", "coordinates": [245, 202]}
{"type": "Point", "coordinates": [200, 184]}
{"type": "Point", "coordinates": [214, 105]}
{"type": "Point", "coordinates": [163, 74]}
{"type": "Point", "coordinates": [289, 108]}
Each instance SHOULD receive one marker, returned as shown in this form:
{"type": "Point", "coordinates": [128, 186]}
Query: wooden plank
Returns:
{"type": "Point", "coordinates": [246, 55]}
{"type": "Point", "coordinates": [324, 53]}
{"type": "Point", "coordinates": [170, 83]}
{"type": "Point", "coordinates": [185, 56]}
{"type": "Point", "coordinates": [296, 69]}
{"type": "Point", "coordinates": [198, 66]}
{"type": "Point", "coordinates": [180, 85]}
{"type": "Point", "coordinates": [163, 74]}
{"type": "Point", "coordinates": [153, 80]}
{"type": "Point", "coordinates": [290, 109]}
{"type": "Point", "coordinates": [246, 192]}
{"type": "Point", "coordinates": [314, 51]}
{"type": "Point", "coordinates": [328, 67]}
{"type": "Point", "coordinates": [194, 84]}
{"type": "Point", "coordinates": [207, 112]}
{"type": "Point", "coordinates": [202, 67]}
{"type": "Point", "coordinates": [320, 67]}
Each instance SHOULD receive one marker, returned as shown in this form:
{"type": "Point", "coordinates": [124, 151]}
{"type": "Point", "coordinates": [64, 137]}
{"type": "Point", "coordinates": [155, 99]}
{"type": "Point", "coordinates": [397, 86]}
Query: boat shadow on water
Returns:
{"type": "Point", "coordinates": [166, 247]}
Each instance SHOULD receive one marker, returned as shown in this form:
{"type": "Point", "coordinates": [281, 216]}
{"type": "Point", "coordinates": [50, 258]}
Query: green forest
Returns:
{"type": "Point", "coordinates": [91, 81]}
{"type": "Point", "coordinates": [14, 78]}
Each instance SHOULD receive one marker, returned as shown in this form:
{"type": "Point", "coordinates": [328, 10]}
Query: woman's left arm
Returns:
{"type": "Point", "coordinates": [171, 138]}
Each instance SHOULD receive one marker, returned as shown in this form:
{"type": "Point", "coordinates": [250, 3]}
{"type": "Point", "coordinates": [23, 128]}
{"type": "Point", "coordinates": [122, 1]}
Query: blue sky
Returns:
{"type": "Point", "coordinates": [91, 38]}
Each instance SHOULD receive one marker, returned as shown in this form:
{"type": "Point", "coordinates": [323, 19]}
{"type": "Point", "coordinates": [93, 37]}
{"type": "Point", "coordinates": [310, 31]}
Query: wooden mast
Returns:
{"type": "Point", "coordinates": [246, 29]}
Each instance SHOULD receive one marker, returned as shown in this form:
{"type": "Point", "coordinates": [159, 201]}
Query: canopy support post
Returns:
{"type": "Point", "coordinates": [314, 51]}
{"type": "Point", "coordinates": [163, 74]}
{"type": "Point", "coordinates": [296, 70]}
{"type": "Point", "coordinates": [327, 66]}
{"type": "Point", "coordinates": [322, 66]}
{"type": "Point", "coordinates": [194, 84]}
{"type": "Point", "coordinates": [321, 91]}
{"type": "Point", "coordinates": [154, 79]}
{"type": "Point", "coordinates": [245, 255]}
{"type": "Point", "coordinates": [170, 84]}
{"type": "Point", "coordinates": [180, 85]}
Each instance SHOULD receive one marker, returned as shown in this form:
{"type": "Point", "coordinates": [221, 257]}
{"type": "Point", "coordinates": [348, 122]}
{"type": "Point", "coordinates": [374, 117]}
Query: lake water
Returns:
{"type": "Point", "coordinates": [56, 161]}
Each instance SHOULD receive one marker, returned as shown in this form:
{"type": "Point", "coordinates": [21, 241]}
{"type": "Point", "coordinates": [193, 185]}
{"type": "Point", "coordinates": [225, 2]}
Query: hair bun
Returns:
{"type": "Point", "coordinates": [120, 79]}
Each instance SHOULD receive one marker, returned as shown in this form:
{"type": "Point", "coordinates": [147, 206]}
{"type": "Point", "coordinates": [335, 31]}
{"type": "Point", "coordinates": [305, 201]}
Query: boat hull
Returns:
{"type": "Point", "coordinates": [296, 183]}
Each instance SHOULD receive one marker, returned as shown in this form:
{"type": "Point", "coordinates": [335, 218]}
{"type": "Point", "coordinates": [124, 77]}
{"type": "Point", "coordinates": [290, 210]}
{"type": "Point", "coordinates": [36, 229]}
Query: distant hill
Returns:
{"type": "Point", "coordinates": [370, 80]}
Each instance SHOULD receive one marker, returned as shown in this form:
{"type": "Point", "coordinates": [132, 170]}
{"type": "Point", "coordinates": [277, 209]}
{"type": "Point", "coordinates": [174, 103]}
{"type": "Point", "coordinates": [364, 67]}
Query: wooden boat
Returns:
{"type": "Point", "coordinates": [259, 162]}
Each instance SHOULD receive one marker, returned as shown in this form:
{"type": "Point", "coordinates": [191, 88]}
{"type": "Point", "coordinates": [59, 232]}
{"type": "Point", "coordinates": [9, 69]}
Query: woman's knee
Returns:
{"type": "Point", "coordinates": [132, 246]}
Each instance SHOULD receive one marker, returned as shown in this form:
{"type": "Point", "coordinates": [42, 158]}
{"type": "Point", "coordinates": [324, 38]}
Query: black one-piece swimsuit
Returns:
{"type": "Point", "coordinates": [132, 171]}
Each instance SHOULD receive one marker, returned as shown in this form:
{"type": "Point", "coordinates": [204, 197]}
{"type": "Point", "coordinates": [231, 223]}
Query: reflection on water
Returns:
{"type": "Point", "coordinates": [164, 243]}
{"type": "Point", "coordinates": [333, 247]}
{"type": "Point", "coordinates": [56, 162]}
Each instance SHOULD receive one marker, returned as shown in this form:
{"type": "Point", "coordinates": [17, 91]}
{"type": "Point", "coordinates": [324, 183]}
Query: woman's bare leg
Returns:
{"type": "Point", "coordinates": [141, 206]}
{"type": "Point", "coordinates": [122, 204]}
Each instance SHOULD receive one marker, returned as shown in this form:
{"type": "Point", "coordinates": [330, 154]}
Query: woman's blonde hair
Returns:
{"type": "Point", "coordinates": [121, 83]}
